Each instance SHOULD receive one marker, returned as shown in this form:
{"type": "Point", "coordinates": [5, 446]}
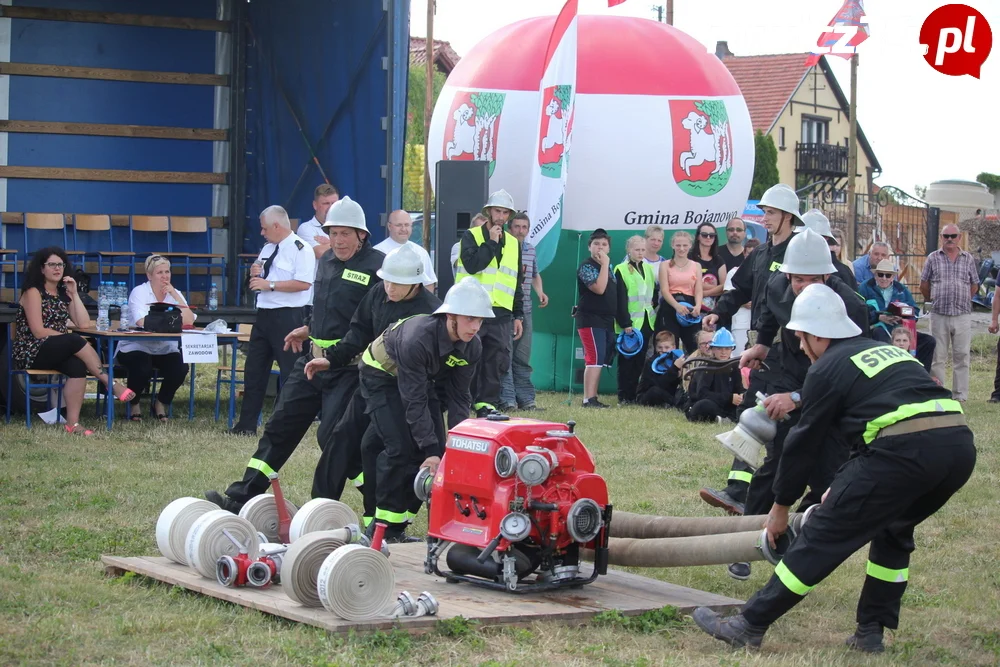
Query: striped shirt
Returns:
{"type": "Point", "coordinates": [951, 282]}
{"type": "Point", "coordinates": [529, 265]}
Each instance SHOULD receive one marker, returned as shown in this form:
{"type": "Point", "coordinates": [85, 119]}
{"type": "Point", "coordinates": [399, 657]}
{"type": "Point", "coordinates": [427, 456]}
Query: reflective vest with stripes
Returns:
{"type": "Point", "coordinates": [640, 294]}
{"type": "Point", "coordinates": [499, 278]}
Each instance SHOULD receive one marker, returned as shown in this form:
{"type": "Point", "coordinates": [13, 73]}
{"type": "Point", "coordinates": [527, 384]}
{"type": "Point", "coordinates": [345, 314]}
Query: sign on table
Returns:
{"type": "Point", "coordinates": [200, 348]}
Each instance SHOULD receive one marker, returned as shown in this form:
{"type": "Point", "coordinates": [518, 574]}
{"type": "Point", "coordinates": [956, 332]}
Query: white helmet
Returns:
{"type": "Point", "coordinates": [820, 311]}
{"type": "Point", "coordinates": [502, 199]}
{"type": "Point", "coordinates": [816, 221]}
{"type": "Point", "coordinates": [808, 254]}
{"type": "Point", "coordinates": [783, 198]}
{"type": "Point", "coordinates": [402, 266]}
{"type": "Point", "coordinates": [346, 213]}
{"type": "Point", "coordinates": [467, 297]}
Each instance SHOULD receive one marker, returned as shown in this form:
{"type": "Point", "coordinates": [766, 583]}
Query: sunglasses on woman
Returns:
{"type": "Point", "coordinates": [706, 235]}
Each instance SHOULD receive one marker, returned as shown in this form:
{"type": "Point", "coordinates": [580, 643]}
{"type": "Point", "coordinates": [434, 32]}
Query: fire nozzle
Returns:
{"type": "Point", "coordinates": [284, 521]}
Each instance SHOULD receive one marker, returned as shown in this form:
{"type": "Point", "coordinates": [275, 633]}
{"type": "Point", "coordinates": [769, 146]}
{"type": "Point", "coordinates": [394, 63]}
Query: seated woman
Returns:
{"type": "Point", "coordinates": [41, 333]}
{"type": "Point", "coordinates": [660, 382]}
{"type": "Point", "coordinates": [881, 290]}
{"type": "Point", "coordinates": [715, 396]}
{"type": "Point", "coordinates": [140, 357]}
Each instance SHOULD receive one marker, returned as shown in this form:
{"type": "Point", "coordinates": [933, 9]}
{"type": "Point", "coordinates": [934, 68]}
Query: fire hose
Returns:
{"type": "Point", "coordinates": [642, 526]}
{"type": "Point", "coordinates": [173, 525]}
{"type": "Point", "coordinates": [356, 583]}
{"type": "Point", "coordinates": [215, 534]}
{"type": "Point", "coordinates": [321, 514]}
{"type": "Point", "coordinates": [262, 512]}
{"type": "Point", "coordinates": [302, 562]}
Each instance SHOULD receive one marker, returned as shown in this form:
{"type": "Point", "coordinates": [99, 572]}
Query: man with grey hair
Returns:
{"type": "Point", "coordinates": [400, 226]}
{"type": "Point", "coordinates": [282, 277]}
{"type": "Point", "coordinates": [864, 266]}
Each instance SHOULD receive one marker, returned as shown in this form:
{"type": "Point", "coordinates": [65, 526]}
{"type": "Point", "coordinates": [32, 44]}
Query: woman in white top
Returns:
{"type": "Point", "coordinates": [139, 357]}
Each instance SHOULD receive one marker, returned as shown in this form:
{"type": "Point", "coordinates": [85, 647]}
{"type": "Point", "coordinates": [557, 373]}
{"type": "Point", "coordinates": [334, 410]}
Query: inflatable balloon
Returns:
{"type": "Point", "coordinates": [661, 136]}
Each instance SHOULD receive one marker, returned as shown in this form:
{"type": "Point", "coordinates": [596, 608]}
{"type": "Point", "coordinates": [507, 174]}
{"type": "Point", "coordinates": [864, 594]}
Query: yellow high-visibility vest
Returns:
{"type": "Point", "coordinates": [640, 294]}
{"type": "Point", "coordinates": [499, 278]}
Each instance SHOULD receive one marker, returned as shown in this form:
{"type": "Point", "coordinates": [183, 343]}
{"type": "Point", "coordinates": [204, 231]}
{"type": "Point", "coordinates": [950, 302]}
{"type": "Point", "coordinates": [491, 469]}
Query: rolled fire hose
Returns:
{"type": "Point", "coordinates": [207, 540]}
{"type": "Point", "coordinates": [356, 583]}
{"type": "Point", "coordinates": [174, 523]}
{"type": "Point", "coordinates": [301, 563]}
{"type": "Point", "coordinates": [320, 514]}
{"type": "Point", "coordinates": [262, 512]}
{"type": "Point", "coordinates": [642, 526]}
{"type": "Point", "coordinates": [683, 551]}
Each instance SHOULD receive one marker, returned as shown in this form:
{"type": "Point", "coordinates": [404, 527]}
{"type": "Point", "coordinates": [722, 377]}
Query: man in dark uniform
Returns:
{"type": "Point", "coordinates": [405, 294]}
{"type": "Point", "coordinates": [400, 375]}
{"type": "Point", "coordinates": [492, 256]}
{"type": "Point", "coordinates": [815, 220]}
{"type": "Point", "coordinates": [345, 274]}
{"type": "Point", "coordinates": [913, 452]}
{"type": "Point", "coordinates": [781, 214]}
{"type": "Point", "coordinates": [807, 262]}
{"type": "Point", "coordinates": [282, 277]}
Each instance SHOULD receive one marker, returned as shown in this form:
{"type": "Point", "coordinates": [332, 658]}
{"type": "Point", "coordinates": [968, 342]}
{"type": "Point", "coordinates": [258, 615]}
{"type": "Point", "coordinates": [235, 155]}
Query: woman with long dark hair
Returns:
{"type": "Point", "coordinates": [713, 268]}
{"type": "Point", "coordinates": [41, 333]}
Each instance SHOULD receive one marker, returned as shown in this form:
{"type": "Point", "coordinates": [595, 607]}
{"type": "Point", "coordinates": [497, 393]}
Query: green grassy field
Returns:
{"type": "Point", "coordinates": [66, 500]}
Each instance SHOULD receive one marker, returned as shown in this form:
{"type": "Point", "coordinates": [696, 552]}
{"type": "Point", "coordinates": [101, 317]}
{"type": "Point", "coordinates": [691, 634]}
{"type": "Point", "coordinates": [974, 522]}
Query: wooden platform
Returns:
{"type": "Point", "coordinates": [629, 593]}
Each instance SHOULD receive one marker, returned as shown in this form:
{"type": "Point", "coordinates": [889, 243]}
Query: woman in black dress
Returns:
{"type": "Point", "coordinates": [713, 268]}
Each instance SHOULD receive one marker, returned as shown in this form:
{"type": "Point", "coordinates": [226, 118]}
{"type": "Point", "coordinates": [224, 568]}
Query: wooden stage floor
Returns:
{"type": "Point", "coordinates": [629, 593]}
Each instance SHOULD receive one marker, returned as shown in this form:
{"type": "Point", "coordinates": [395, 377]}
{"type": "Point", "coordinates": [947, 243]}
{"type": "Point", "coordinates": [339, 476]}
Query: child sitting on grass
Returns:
{"type": "Point", "coordinates": [716, 396]}
{"type": "Point", "coordinates": [660, 382]}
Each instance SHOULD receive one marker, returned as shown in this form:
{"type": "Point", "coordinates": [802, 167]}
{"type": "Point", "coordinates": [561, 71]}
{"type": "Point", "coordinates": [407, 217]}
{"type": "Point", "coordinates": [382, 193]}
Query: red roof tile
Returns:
{"type": "Point", "coordinates": [767, 83]}
{"type": "Point", "coordinates": [445, 57]}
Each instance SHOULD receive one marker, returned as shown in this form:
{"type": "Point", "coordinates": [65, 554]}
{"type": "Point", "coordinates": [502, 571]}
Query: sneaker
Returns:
{"type": "Point", "coordinates": [867, 638]}
{"type": "Point", "coordinates": [733, 630]}
{"type": "Point", "coordinates": [224, 502]}
{"type": "Point", "coordinates": [739, 571]}
{"type": "Point", "coordinates": [594, 403]}
{"type": "Point", "coordinates": [722, 500]}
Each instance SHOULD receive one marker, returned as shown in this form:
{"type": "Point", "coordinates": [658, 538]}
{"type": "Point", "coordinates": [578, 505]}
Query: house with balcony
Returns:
{"type": "Point", "coordinates": [805, 111]}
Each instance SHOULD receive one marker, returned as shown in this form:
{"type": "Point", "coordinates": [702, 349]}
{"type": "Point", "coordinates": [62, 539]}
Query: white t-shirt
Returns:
{"type": "Point", "coordinates": [389, 245]}
{"type": "Point", "coordinates": [291, 263]}
{"type": "Point", "coordinates": [138, 306]}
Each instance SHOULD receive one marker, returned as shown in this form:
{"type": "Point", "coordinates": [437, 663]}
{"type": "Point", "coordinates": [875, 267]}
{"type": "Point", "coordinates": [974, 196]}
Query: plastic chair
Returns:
{"type": "Point", "coordinates": [29, 383]}
{"type": "Point", "coordinates": [99, 227]}
{"type": "Point", "coordinates": [207, 260]}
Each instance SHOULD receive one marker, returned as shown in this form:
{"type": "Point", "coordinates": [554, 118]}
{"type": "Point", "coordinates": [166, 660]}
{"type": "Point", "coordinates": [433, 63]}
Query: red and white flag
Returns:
{"type": "Point", "coordinates": [847, 31]}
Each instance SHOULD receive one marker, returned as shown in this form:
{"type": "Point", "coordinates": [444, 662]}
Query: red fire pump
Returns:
{"type": "Point", "coordinates": [514, 498]}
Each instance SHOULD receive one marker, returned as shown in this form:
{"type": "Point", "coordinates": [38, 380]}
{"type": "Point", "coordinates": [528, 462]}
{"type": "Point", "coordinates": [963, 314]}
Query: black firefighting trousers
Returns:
{"type": "Point", "coordinates": [878, 497]}
{"type": "Point", "coordinates": [299, 403]}
{"type": "Point", "coordinates": [341, 458]}
{"type": "Point", "coordinates": [389, 453]}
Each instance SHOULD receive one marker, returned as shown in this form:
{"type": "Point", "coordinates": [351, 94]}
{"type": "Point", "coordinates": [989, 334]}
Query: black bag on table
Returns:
{"type": "Point", "coordinates": [163, 318]}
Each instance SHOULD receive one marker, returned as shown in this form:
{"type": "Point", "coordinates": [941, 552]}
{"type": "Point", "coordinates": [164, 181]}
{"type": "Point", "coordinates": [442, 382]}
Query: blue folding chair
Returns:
{"type": "Point", "coordinates": [92, 238]}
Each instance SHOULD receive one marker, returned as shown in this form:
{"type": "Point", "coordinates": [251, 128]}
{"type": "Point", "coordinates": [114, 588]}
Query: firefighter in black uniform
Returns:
{"type": "Point", "coordinates": [404, 295]}
{"type": "Point", "coordinates": [344, 274]}
{"type": "Point", "coordinates": [807, 261]}
{"type": "Point", "coordinates": [815, 220]}
{"type": "Point", "coordinates": [913, 452]}
{"type": "Point", "coordinates": [492, 256]}
{"type": "Point", "coordinates": [399, 371]}
{"type": "Point", "coordinates": [781, 214]}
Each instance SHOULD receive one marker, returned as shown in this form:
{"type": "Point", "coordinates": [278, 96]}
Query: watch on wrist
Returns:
{"type": "Point", "coordinates": [796, 399]}
{"type": "Point", "coordinates": [272, 285]}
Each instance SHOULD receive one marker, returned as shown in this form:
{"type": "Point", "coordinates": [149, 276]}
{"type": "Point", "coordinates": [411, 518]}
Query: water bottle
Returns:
{"type": "Point", "coordinates": [122, 294]}
{"type": "Point", "coordinates": [125, 319]}
{"type": "Point", "coordinates": [103, 304]}
{"type": "Point", "coordinates": [213, 298]}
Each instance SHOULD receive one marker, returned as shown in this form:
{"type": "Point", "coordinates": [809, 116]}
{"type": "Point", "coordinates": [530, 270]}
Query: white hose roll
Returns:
{"type": "Point", "coordinates": [356, 583]}
{"type": "Point", "coordinates": [206, 542]}
{"type": "Point", "coordinates": [320, 514]}
{"type": "Point", "coordinates": [262, 512]}
{"type": "Point", "coordinates": [301, 563]}
{"type": "Point", "coordinates": [174, 523]}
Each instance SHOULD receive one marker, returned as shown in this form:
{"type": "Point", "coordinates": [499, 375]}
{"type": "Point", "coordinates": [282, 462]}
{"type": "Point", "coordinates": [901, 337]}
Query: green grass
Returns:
{"type": "Point", "coordinates": [65, 501]}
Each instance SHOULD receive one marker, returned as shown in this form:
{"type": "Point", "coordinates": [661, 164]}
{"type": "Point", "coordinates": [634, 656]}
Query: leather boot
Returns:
{"type": "Point", "coordinates": [733, 630]}
{"type": "Point", "coordinates": [867, 638]}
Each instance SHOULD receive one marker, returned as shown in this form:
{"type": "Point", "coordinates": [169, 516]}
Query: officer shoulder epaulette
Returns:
{"type": "Point", "coordinates": [299, 245]}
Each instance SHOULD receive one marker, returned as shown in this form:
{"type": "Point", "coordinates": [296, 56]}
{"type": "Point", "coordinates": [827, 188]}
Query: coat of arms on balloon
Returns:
{"type": "Point", "coordinates": [703, 146]}
{"type": "Point", "coordinates": [473, 126]}
{"type": "Point", "coordinates": [555, 130]}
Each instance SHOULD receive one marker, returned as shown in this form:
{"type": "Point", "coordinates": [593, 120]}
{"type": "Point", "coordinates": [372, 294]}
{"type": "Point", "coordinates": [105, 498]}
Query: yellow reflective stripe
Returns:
{"type": "Point", "coordinates": [262, 467]}
{"type": "Point", "coordinates": [480, 406]}
{"type": "Point", "coordinates": [410, 516]}
{"type": "Point", "coordinates": [365, 520]}
{"type": "Point", "coordinates": [356, 277]}
{"type": "Point", "coordinates": [640, 292]}
{"type": "Point", "coordinates": [942, 405]}
{"type": "Point", "coordinates": [391, 517]}
{"type": "Point", "coordinates": [790, 581]}
{"type": "Point", "coordinates": [885, 574]}
{"type": "Point", "coordinates": [874, 360]}
{"type": "Point", "coordinates": [324, 343]}
{"type": "Point", "coordinates": [741, 475]}
{"type": "Point", "coordinates": [359, 480]}
{"type": "Point", "coordinates": [499, 279]}
{"type": "Point", "coordinates": [367, 358]}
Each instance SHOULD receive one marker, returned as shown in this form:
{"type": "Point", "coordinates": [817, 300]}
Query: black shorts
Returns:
{"type": "Point", "coordinates": [58, 353]}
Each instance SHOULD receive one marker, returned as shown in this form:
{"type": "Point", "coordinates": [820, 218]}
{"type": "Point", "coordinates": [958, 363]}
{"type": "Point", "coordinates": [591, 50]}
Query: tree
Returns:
{"type": "Point", "coordinates": [991, 181]}
{"type": "Point", "coordinates": [414, 163]}
{"type": "Point", "coordinates": [765, 168]}
{"type": "Point", "coordinates": [921, 191]}
{"type": "Point", "coordinates": [716, 112]}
